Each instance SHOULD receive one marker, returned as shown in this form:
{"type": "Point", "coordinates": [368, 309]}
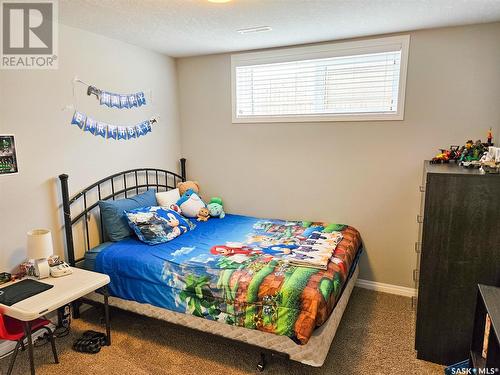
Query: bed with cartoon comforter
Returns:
{"type": "Point", "coordinates": [263, 284]}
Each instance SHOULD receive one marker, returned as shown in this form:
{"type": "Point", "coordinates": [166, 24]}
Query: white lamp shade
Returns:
{"type": "Point", "coordinates": [40, 244]}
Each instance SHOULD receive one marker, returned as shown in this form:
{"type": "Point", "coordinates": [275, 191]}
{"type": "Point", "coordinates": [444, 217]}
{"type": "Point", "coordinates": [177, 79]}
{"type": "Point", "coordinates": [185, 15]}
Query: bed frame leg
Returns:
{"type": "Point", "coordinates": [262, 363]}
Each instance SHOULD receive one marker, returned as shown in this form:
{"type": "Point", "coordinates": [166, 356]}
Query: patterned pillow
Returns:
{"type": "Point", "coordinates": [154, 225]}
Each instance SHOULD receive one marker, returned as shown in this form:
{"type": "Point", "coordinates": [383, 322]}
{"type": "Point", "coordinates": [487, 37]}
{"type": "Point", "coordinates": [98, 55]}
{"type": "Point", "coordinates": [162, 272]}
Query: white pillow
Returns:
{"type": "Point", "coordinates": [167, 198]}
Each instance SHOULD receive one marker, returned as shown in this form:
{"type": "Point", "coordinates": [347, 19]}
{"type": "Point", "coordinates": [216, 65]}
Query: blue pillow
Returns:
{"type": "Point", "coordinates": [154, 225]}
{"type": "Point", "coordinates": [113, 217]}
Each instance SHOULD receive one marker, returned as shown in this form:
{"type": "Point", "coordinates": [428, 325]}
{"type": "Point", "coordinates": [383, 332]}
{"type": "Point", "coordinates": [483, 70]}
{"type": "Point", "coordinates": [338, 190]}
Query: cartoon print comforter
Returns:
{"type": "Point", "coordinates": [238, 270]}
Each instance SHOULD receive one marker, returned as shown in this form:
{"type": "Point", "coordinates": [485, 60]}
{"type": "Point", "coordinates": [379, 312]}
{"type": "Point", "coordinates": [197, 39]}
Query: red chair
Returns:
{"type": "Point", "coordinates": [13, 330]}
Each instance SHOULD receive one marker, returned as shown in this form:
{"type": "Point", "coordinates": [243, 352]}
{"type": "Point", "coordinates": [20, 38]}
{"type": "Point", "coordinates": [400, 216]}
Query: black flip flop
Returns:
{"type": "Point", "coordinates": [94, 335]}
{"type": "Point", "coordinates": [86, 345]}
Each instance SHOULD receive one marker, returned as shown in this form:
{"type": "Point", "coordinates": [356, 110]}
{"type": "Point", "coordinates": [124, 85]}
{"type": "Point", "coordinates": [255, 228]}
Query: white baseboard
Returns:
{"type": "Point", "coordinates": [386, 288]}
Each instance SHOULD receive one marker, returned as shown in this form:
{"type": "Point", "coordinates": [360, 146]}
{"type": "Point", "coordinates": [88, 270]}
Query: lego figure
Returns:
{"type": "Point", "coordinates": [447, 155]}
{"type": "Point", "coordinates": [466, 150]}
{"type": "Point", "coordinates": [471, 154]}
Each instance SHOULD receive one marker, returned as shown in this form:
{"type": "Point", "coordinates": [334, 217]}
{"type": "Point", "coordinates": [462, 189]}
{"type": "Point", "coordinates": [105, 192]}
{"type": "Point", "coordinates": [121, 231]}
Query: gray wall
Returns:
{"type": "Point", "coordinates": [365, 174]}
{"type": "Point", "coordinates": [30, 108]}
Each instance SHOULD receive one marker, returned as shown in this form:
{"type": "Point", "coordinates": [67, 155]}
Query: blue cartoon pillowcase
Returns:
{"type": "Point", "coordinates": [154, 225]}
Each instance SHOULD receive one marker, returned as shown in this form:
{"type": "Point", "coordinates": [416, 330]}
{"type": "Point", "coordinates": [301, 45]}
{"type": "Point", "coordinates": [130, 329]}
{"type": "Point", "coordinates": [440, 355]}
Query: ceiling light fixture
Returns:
{"type": "Point", "coordinates": [258, 29]}
{"type": "Point", "coordinates": [219, 1]}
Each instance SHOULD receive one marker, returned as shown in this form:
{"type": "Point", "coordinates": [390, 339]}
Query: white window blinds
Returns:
{"type": "Point", "coordinates": [352, 84]}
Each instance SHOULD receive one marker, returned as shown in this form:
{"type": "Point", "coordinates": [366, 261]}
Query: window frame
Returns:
{"type": "Point", "coordinates": [319, 51]}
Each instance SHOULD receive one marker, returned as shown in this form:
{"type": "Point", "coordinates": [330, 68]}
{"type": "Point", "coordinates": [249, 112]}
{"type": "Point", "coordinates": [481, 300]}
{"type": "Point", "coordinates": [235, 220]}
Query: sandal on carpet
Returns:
{"type": "Point", "coordinates": [87, 345]}
{"type": "Point", "coordinates": [101, 337]}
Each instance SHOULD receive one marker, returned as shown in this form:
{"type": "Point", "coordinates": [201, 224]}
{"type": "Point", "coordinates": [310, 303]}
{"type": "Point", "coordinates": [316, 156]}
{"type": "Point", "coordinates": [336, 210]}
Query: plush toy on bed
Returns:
{"type": "Point", "coordinates": [203, 214]}
{"type": "Point", "coordinates": [175, 208]}
{"type": "Point", "coordinates": [190, 203]}
{"type": "Point", "coordinates": [186, 185]}
{"type": "Point", "coordinates": [215, 208]}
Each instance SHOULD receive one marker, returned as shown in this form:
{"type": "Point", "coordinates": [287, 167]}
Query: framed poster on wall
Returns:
{"type": "Point", "coordinates": [8, 158]}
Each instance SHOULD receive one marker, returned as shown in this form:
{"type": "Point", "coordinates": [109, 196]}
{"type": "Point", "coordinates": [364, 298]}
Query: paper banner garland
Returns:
{"type": "Point", "coordinates": [117, 100]}
{"type": "Point", "coordinates": [79, 119]}
{"type": "Point", "coordinates": [112, 100]}
{"type": "Point", "coordinates": [97, 128]}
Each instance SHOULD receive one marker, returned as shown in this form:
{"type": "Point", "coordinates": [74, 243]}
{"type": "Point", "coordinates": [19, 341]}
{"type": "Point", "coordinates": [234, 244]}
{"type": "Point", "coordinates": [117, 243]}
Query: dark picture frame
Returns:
{"type": "Point", "coordinates": [8, 156]}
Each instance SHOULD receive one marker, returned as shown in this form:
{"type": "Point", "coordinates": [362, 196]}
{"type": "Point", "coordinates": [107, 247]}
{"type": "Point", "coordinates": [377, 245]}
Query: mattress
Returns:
{"type": "Point", "coordinates": [254, 286]}
{"type": "Point", "coordinates": [91, 255]}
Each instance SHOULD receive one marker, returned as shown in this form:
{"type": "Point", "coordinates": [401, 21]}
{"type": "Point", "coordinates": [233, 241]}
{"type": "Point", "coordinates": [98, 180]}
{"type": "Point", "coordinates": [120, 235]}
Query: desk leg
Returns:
{"type": "Point", "coordinates": [106, 314]}
{"type": "Point", "coordinates": [27, 333]}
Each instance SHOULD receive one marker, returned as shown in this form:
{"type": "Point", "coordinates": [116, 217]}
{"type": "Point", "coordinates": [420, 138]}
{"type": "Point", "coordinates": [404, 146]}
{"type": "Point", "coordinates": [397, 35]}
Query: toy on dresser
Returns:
{"type": "Point", "coordinates": [471, 154]}
{"type": "Point", "coordinates": [445, 156]}
{"type": "Point", "coordinates": [490, 162]}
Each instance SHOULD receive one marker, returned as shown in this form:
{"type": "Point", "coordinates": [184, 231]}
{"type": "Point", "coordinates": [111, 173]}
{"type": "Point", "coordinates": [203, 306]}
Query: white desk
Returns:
{"type": "Point", "coordinates": [66, 289]}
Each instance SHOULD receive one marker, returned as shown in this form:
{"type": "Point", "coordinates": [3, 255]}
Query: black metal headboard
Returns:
{"type": "Point", "coordinates": [121, 184]}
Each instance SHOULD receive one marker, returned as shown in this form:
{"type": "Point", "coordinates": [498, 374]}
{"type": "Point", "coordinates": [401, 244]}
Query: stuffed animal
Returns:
{"type": "Point", "coordinates": [185, 186]}
{"type": "Point", "coordinates": [190, 203]}
{"type": "Point", "coordinates": [203, 214]}
{"type": "Point", "coordinates": [215, 208]}
{"type": "Point", "coordinates": [175, 208]}
{"type": "Point", "coordinates": [334, 228]}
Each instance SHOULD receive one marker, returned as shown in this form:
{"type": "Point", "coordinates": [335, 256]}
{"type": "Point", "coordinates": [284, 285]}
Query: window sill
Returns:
{"type": "Point", "coordinates": [320, 118]}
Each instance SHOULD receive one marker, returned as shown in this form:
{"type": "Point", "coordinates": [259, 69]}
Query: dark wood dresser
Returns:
{"type": "Point", "coordinates": [459, 248]}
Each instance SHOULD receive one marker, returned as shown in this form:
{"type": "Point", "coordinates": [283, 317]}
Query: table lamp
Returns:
{"type": "Point", "coordinates": [40, 248]}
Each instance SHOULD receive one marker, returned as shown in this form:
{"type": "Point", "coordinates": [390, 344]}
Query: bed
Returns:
{"type": "Point", "coordinates": [255, 294]}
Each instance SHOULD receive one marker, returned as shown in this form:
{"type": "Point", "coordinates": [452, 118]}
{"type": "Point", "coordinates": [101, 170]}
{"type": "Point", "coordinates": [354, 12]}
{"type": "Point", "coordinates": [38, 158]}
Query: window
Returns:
{"type": "Point", "coordinates": [350, 81]}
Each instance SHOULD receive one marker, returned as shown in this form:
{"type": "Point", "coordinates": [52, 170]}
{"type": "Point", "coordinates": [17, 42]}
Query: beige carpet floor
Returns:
{"type": "Point", "coordinates": [375, 337]}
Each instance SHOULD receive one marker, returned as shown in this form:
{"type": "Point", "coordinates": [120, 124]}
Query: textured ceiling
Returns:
{"type": "Point", "coordinates": [198, 27]}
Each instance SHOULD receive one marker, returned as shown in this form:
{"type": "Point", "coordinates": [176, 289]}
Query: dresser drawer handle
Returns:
{"type": "Point", "coordinates": [418, 247]}
{"type": "Point", "coordinates": [415, 275]}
